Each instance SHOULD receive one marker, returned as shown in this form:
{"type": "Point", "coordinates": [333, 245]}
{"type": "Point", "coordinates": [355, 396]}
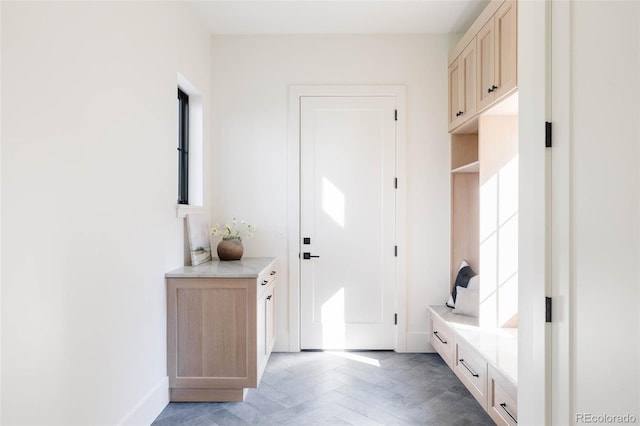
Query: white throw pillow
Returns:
{"type": "Point", "coordinates": [467, 302]}
{"type": "Point", "coordinates": [474, 283]}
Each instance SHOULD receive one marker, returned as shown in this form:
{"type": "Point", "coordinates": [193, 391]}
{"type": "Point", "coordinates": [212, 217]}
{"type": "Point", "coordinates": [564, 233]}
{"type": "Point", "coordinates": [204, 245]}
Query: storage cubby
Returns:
{"type": "Point", "coordinates": [465, 199]}
{"type": "Point", "coordinates": [484, 211]}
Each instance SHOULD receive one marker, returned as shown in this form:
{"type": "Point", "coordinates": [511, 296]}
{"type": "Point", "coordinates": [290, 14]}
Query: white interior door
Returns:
{"type": "Point", "coordinates": [347, 197]}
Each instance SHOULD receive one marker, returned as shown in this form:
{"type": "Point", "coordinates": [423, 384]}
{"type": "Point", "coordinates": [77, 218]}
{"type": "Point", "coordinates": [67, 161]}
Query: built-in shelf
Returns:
{"type": "Point", "coordinates": [468, 168]}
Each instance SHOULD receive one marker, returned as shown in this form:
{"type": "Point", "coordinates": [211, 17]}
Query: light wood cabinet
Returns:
{"type": "Point", "coordinates": [497, 56]}
{"type": "Point", "coordinates": [442, 339]}
{"type": "Point", "coordinates": [483, 65]}
{"type": "Point", "coordinates": [484, 359]}
{"type": "Point", "coordinates": [462, 86]}
{"type": "Point", "coordinates": [471, 369]}
{"type": "Point", "coordinates": [486, 65]}
{"type": "Point", "coordinates": [502, 404]}
{"type": "Point", "coordinates": [220, 328]}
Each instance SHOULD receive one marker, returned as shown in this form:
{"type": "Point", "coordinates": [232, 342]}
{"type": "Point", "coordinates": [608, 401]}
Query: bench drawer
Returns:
{"type": "Point", "coordinates": [442, 339]}
{"type": "Point", "coordinates": [503, 399]}
{"type": "Point", "coordinates": [471, 369]}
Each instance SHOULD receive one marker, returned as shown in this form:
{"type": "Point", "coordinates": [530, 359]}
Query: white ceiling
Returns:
{"type": "Point", "coordinates": [337, 16]}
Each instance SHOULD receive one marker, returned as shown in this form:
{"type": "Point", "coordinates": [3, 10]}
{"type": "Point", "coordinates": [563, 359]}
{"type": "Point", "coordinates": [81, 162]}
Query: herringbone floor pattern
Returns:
{"type": "Point", "coordinates": [343, 388]}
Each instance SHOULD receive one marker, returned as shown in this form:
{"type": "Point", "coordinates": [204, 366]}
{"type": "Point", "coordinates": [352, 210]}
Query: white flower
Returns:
{"type": "Point", "coordinates": [234, 230]}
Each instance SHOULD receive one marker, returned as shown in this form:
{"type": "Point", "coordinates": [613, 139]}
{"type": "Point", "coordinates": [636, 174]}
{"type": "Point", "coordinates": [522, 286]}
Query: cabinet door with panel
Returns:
{"type": "Point", "coordinates": [462, 86]}
{"type": "Point", "coordinates": [506, 45]}
{"type": "Point", "coordinates": [486, 65]}
{"type": "Point", "coordinates": [498, 55]}
{"type": "Point", "coordinates": [211, 338]}
{"type": "Point", "coordinates": [265, 328]}
{"type": "Point", "coordinates": [455, 98]}
{"type": "Point", "coordinates": [468, 80]}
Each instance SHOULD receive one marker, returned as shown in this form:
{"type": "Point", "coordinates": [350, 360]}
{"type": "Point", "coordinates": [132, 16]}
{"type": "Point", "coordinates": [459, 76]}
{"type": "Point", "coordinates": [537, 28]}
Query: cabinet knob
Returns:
{"type": "Point", "coordinates": [490, 89]}
{"type": "Point", "coordinates": [494, 87]}
{"type": "Point", "coordinates": [265, 282]}
{"type": "Point", "coordinates": [269, 297]}
{"type": "Point", "coordinates": [272, 273]}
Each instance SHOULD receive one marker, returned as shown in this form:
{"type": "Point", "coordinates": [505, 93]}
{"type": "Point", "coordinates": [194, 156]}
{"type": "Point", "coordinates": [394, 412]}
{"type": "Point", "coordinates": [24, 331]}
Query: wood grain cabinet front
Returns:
{"type": "Point", "coordinates": [442, 339]}
{"type": "Point", "coordinates": [219, 335]}
{"type": "Point", "coordinates": [471, 369]}
{"type": "Point", "coordinates": [502, 404]}
{"type": "Point", "coordinates": [483, 66]}
{"type": "Point", "coordinates": [497, 45]}
{"type": "Point", "coordinates": [462, 86]}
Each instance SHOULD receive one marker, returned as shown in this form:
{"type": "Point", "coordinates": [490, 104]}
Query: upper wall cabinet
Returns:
{"type": "Point", "coordinates": [497, 55]}
{"type": "Point", "coordinates": [462, 86]}
{"type": "Point", "coordinates": [483, 66]}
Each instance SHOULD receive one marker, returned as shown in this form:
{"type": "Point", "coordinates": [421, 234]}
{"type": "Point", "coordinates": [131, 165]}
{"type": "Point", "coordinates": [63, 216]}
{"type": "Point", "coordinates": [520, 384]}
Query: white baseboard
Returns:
{"type": "Point", "coordinates": [418, 341]}
{"type": "Point", "coordinates": [152, 404]}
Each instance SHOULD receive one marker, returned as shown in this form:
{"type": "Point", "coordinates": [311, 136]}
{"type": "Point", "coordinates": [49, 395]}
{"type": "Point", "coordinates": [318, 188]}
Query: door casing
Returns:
{"type": "Point", "coordinates": [293, 191]}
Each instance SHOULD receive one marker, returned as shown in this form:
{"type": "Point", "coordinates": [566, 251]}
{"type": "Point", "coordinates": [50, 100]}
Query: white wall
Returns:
{"type": "Point", "coordinates": [606, 206]}
{"type": "Point", "coordinates": [251, 76]}
{"type": "Point", "coordinates": [88, 204]}
{"type": "Point", "coordinates": [0, 212]}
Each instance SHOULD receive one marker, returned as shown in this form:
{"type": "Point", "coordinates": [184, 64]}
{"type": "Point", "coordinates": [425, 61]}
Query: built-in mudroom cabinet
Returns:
{"type": "Point", "coordinates": [477, 338]}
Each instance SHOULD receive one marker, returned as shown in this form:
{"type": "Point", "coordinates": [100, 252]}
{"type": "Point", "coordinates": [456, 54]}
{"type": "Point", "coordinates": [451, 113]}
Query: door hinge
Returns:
{"type": "Point", "coordinates": [395, 251]}
{"type": "Point", "coordinates": [547, 134]}
{"type": "Point", "coordinates": [395, 183]}
{"type": "Point", "coordinates": [396, 115]}
{"type": "Point", "coordinates": [395, 319]}
{"type": "Point", "coordinates": [547, 309]}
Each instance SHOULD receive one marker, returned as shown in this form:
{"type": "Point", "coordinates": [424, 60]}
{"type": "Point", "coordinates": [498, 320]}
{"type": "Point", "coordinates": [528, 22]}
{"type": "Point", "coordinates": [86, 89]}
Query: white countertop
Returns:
{"type": "Point", "coordinates": [247, 267]}
{"type": "Point", "coordinates": [499, 346]}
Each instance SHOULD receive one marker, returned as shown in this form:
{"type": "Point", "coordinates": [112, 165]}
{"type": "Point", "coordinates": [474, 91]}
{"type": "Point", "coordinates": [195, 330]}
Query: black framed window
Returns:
{"type": "Point", "coordinates": [183, 147]}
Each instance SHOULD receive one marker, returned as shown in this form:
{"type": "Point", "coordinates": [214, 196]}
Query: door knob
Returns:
{"type": "Point", "coordinates": [307, 255]}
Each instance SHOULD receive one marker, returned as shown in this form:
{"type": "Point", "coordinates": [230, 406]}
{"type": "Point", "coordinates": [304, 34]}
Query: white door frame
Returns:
{"type": "Point", "coordinates": [545, 349]}
{"type": "Point", "coordinates": [293, 191]}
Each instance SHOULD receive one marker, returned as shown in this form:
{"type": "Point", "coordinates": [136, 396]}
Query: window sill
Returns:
{"type": "Point", "coordinates": [184, 209]}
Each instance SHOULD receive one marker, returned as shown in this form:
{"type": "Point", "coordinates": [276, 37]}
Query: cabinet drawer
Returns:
{"type": "Point", "coordinates": [471, 369]}
{"type": "Point", "coordinates": [503, 399]}
{"type": "Point", "coordinates": [266, 278]}
{"type": "Point", "coordinates": [442, 339]}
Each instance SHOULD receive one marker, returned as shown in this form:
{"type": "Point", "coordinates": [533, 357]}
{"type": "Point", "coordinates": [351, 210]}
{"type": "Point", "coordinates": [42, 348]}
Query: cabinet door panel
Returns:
{"type": "Point", "coordinates": [270, 329]}
{"type": "Point", "coordinates": [454, 94]}
{"type": "Point", "coordinates": [260, 331]}
{"type": "Point", "coordinates": [506, 38]}
{"type": "Point", "coordinates": [189, 332]}
{"type": "Point", "coordinates": [217, 340]}
{"type": "Point", "coordinates": [211, 337]}
{"type": "Point", "coordinates": [468, 79]}
{"type": "Point", "coordinates": [486, 65]}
